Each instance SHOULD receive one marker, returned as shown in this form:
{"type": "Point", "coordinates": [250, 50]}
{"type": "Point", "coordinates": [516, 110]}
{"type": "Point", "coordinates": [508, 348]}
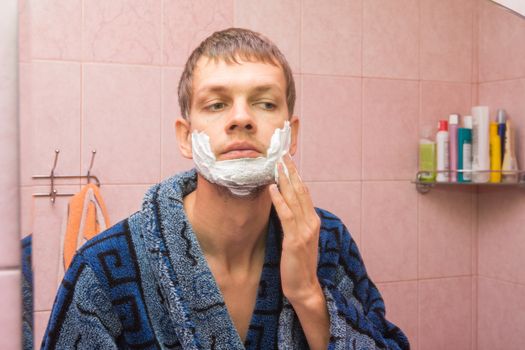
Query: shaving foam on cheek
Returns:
{"type": "Point", "coordinates": [241, 176]}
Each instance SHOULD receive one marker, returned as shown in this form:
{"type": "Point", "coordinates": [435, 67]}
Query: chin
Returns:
{"type": "Point", "coordinates": [254, 193]}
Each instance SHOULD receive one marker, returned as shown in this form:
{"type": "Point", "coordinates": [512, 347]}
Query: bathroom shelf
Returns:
{"type": "Point", "coordinates": [425, 186]}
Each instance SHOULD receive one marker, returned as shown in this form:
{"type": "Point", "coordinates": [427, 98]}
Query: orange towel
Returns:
{"type": "Point", "coordinates": [86, 217]}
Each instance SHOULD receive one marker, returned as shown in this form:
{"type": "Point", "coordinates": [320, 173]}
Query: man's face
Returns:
{"type": "Point", "coordinates": [238, 106]}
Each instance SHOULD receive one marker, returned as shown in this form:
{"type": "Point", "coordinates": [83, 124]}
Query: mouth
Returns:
{"type": "Point", "coordinates": [240, 150]}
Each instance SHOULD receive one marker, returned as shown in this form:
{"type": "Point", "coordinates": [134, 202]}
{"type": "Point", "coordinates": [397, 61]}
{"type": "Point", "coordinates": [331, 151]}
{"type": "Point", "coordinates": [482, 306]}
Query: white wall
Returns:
{"type": "Point", "coordinates": [515, 5]}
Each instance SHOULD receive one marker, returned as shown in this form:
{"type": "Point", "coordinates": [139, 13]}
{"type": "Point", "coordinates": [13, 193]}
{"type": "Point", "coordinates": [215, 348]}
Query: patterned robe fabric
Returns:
{"type": "Point", "coordinates": [145, 284]}
{"type": "Point", "coordinates": [27, 293]}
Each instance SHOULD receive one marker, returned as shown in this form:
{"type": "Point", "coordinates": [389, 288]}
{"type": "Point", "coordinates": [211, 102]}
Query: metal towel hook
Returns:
{"type": "Point", "coordinates": [93, 153]}
{"type": "Point", "coordinates": [53, 193]}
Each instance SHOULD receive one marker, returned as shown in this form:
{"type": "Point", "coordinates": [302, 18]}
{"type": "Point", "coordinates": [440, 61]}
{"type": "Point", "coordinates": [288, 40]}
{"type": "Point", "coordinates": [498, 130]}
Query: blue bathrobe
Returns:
{"type": "Point", "coordinates": [145, 284]}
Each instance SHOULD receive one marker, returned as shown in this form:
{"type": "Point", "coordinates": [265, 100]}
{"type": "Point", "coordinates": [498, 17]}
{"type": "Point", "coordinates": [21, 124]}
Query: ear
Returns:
{"type": "Point", "coordinates": [183, 133]}
{"type": "Point", "coordinates": [294, 125]}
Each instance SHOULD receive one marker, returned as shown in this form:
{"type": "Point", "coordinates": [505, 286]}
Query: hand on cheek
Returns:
{"type": "Point", "coordinates": [301, 225]}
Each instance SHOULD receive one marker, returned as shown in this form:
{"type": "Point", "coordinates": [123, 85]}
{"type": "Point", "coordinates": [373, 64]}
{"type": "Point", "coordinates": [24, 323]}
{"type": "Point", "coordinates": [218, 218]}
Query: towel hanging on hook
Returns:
{"type": "Point", "coordinates": [86, 217]}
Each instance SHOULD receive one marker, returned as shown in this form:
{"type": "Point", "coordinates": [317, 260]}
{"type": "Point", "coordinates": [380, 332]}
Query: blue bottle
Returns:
{"type": "Point", "coordinates": [465, 150]}
{"type": "Point", "coordinates": [501, 119]}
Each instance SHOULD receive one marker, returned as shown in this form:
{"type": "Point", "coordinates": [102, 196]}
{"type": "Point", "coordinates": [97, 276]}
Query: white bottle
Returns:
{"type": "Point", "coordinates": [453, 121]}
{"type": "Point", "coordinates": [480, 144]}
{"type": "Point", "coordinates": [442, 144]}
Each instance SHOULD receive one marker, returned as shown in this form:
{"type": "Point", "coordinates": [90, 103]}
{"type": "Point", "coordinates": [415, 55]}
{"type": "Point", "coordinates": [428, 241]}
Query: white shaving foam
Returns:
{"type": "Point", "coordinates": [241, 176]}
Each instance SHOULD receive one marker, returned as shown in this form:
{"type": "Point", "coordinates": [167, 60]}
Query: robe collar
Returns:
{"type": "Point", "coordinates": [191, 294]}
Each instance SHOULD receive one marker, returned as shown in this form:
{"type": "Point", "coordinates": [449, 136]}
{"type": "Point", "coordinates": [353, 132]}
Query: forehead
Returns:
{"type": "Point", "coordinates": [210, 74]}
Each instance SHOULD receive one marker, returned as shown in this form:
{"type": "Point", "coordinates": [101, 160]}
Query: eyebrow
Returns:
{"type": "Point", "coordinates": [221, 88]}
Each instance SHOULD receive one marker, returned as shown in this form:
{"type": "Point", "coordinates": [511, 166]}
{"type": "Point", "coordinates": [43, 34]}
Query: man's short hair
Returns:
{"type": "Point", "coordinates": [231, 45]}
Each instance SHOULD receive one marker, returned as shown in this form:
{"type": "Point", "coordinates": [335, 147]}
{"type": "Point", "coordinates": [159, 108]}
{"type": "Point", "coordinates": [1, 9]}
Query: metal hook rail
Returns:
{"type": "Point", "coordinates": [53, 193]}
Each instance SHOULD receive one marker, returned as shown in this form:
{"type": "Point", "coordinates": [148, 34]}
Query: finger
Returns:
{"type": "Point", "coordinates": [288, 192]}
{"type": "Point", "coordinates": [301, 190]}
{"type": "Point", "coordinates": [285, 214]}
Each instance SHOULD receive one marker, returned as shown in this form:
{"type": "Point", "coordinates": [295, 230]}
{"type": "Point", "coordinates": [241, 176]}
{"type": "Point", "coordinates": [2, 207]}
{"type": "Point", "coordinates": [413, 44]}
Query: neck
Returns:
{"type": "Point", "coordinates": [230, 229]}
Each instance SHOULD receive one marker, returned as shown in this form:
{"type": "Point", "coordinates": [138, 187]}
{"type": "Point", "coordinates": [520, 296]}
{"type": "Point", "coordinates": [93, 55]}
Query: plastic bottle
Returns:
{"type": "Point", "coordinates": [442, 146]}
{"type": "Point", "coordinates": [501, 118]}
{"type": "Point", "coordinates": [510, 163]}
{"type": "Point", "coordinates": [427, 156]}
{"type": "Point", "coordinates": [480, 144]}
{"type": "Point", "coordinates": [465, 150]}
{"type": "Point", "coordinates": [495, 153]}
{"type": "Point", "coordinates": [453, 120]}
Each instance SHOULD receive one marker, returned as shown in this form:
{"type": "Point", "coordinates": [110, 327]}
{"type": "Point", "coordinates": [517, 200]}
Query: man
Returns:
{"type": "Point", "coordinates": [222, 257]}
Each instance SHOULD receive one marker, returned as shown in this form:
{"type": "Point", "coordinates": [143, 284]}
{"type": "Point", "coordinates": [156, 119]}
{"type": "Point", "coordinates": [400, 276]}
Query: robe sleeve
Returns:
{"type": "Point", "coordinates": [82, 315]}
{"type": "Point", "coordinates": [356, 309]}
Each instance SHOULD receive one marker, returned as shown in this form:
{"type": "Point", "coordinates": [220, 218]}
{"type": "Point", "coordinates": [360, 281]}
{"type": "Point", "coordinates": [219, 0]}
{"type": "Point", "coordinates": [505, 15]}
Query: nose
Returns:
{"type": "Point", "coordinates": [241, 119]}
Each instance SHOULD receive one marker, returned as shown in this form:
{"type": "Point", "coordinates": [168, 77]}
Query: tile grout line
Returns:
{"type": "Point", "coordinates": [132, 64]}
{"type": "Point", "coordinates": [301, 85]}
{"type": "Point", "coordinates": [519, 284]}
{"type": "Point", "coordinates": [81, 129]}
{"type": "Point", "coordinates": [161, 138]}
{"type": "Point", "coordinates": [361, 219]}
{"type": "Point", "coordinates": [418, 298]}
{"type": "Point", "coordinates": [10, 269]}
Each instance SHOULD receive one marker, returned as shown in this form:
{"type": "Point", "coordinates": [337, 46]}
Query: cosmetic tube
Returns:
{"type": "Point", "coordinates": [510, 163]}
{"type": "Point", "coordinates": [465, 150]}
{"type": "Point", "coordinates": [501, 118]}
{"type": "Point", "coordinates": [442, 158]}
{"type": "Point", "coordinates": [480, 144]}
{"type": "Point", "coordinates": [495, 153]}
{"type": "Point", "coordinates": [453, 120]}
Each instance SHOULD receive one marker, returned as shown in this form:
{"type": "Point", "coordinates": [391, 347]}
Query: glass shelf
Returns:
{"type": "Point", "coordinates": [423, 186]}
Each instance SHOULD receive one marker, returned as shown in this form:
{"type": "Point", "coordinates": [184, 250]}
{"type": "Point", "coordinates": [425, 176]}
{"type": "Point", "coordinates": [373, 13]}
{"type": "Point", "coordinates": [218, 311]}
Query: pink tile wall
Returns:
{"type": "Point", "coordinates": [399, 300]}
{"type": "Point", "coordinates": [331, 37]}
{"type": "Point", "coordinates": [390, 129]}
{"type": "Point", "coordinates": [121, 120]}
{"type": "Point", "coordinates": [445, 312]}
{"type": "Point", "coordinates": [55, 29]}
{"type": "Point", "coordinates": [50, 118]}
{"type": "Point", "coordinates": [369, 75]}
{"type": "Point", "coordinates": [341, 137]}
{"type": "Point", "coordinates": [185, 23]}
{"type": "Point", "coordinates": [446, 40]}
{"type": "Point", "coordinates": [390, 39]}
{"type": "Point", "coordinates": [389, 230]}
{"type": "Point", "coordinates": [127, 31]}
{"type": "Point", "coordinates": [172, 160]}
{"type": "Point", "coordinates": [445, 240]}
{"type": "Point", "coordinates": [502, 234]}
{"type": "Point", "coordinates": [10, 274]}
{"type": "Point", "coordinates": [501, 48]}
{"type": "Point", "coordinates": [9, 252]}
{"type": "Point", "coordinates": [10, 304]}
{"type": "Point", "coordinates": [349, 210]}
{"type": "Point", "coordinates": [40, 319]}
{"type": "Point", "coordinates": [501, 282]}
{"type": "Point", "coordinates": [501, 308]}
{"type": "Point", "coordinates": [283, 28]}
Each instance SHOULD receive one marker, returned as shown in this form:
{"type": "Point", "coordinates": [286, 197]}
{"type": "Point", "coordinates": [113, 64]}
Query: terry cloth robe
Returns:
{"type": "Point", "coordinates": [27, 292]}
{"type": "Point", "coordinates": [145, 284]}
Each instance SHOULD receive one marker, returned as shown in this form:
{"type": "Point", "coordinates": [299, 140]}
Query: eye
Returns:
{"type": "Point", "coordinates": [267, 106]}
{"type": "Point", "coordinates": [215, 107]}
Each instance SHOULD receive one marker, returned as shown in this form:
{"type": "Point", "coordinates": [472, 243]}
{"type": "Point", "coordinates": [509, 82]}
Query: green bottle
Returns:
{"type": "Point", "coordinates": [427, 157]}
